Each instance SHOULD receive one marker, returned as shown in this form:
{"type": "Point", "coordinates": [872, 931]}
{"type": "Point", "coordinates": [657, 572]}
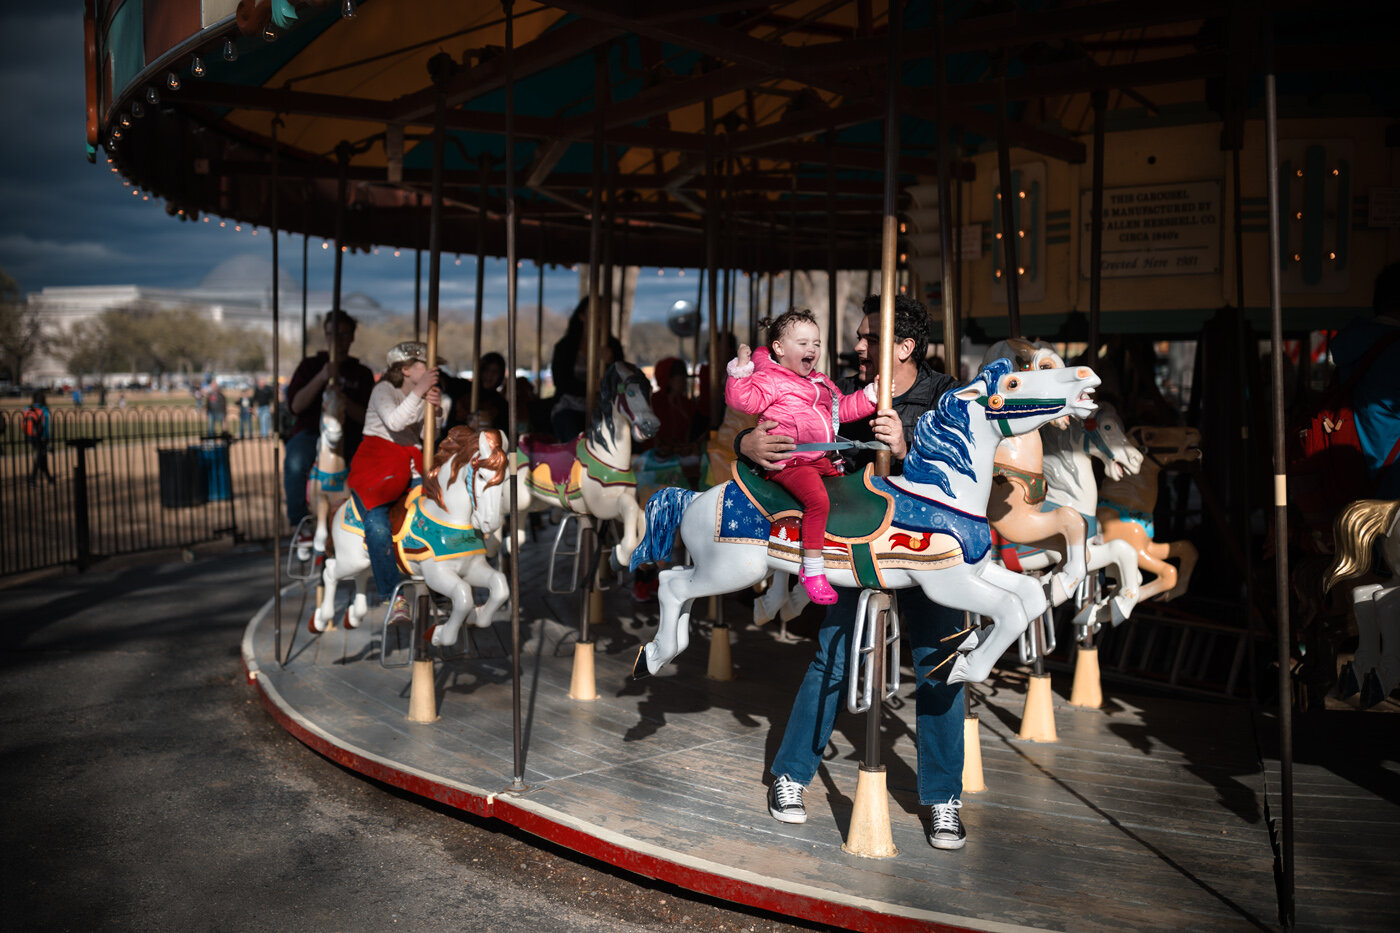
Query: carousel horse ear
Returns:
{"type": "Point", "coordinates": [970, 393]}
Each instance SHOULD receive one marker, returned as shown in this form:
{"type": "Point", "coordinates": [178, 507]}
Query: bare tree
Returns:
{"type": "Point", "coordinates": [22, 332]}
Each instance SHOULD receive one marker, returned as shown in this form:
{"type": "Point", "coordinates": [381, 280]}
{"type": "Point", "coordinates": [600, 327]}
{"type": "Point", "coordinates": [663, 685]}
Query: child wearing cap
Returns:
{"type": "Point", "coordinates": [390, 452]}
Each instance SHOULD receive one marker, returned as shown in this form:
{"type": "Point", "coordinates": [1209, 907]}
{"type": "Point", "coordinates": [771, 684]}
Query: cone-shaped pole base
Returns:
{"type": "Point", "coordinates": [1038, 719]}
{"type": "Point", "coordinates": [422, 697]}
{"type": "Point", "coordinates": [1086, 691]}
{"type": "Point", "coordinates": [721, 665]}
{"type": "Point", "coordinates": [581, 684]}
{"type": "Point", "coordinates": [869, 835]}
{"type": "Point", "coordinates": [972, 758]}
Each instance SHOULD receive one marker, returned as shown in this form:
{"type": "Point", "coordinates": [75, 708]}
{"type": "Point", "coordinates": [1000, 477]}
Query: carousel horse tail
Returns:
{"type": "Point", "coordinates": [1354, 531]}
{"type": "Point", "coordinates": [664, 511]}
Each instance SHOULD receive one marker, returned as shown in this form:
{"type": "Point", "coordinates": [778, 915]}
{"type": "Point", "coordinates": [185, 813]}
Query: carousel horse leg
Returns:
{"type": "Point", "coordinates": [1185, 552]}
{"type": "Point", "coordinates": [441, 579]}
{"type": "Point", "coordinates": [325, 609]}
{"type": "Point", "coordinates": [767, 606]}
{"type": "Point", "coordinates": [480, 573]}
{"type": "Point", "coordinates": [1387, 603]}
{"type": "Point", "coordinates": [1009, 599]}
{"type": "Point", "coordinates": [1121, 555]}
{"type": "Point", "coordinates": [1366, 662]}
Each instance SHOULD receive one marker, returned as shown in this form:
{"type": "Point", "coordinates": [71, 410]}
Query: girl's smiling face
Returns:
{"type": "Point", "coordinates": [798, 348]}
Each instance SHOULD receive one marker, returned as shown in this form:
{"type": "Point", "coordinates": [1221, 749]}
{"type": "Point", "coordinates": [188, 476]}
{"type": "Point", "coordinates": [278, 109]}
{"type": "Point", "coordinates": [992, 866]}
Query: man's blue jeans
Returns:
{"type": "Point", "coordinates": [938, 707]}
{"type": "Point", "coordinates": [300, 455]}
{"type": "Point", "coordinates": [379, 540]}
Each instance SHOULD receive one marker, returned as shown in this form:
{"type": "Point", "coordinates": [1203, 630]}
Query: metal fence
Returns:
{"type": "Point", "coordinates": [126, 480]}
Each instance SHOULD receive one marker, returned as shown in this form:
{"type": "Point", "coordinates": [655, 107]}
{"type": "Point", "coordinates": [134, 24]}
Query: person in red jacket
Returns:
{"type": "Point", "coordinates": [788, 388]}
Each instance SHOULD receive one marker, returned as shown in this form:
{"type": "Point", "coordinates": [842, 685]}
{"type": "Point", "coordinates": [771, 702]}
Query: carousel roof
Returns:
{"type": "Point", "coordinates": [184, 94]}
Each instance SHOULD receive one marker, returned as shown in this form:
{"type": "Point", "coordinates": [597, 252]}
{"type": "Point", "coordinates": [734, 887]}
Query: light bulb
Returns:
{"type": "Point", "coordinates": [325, 245]}
{"type": "Point", "coordinates": [172, 81]}
{"type": "Point", "coordinates": [117, 133]}
{"type": "Point", "coordinates": [126, 119]}
{"type": "Point", "coordinates": [396, 254]}
{"type": "Point", "coordinates": [347, 9]}
{"type": "Point", "coordinates": [138, 109]}
{"type": "Point", "coordinates": [237, 228]}
{"type": "Point", "coordinates": [152, 96]}
{"type": "Point", "coordinates": [269, 33]}
{"type": "Point", "coordinates": [223, 223]}
{"type": "Point", "coordinates": [197, 67]}
{"type": "Point", "coordinates": [230, 50]}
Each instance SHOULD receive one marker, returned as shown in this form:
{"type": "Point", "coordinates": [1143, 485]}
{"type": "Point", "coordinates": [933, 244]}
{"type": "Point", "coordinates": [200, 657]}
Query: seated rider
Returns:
{"type": "Point", "coordinates": [789, 389]}
{"type": "Point", "coordinates": [389, 455]}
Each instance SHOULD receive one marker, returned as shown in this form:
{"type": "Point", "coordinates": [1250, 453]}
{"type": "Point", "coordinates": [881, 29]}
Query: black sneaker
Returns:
{"type": "Point", "coordinates": [785, 800]}
{"type": "Point", "coordinates": [946, 830]}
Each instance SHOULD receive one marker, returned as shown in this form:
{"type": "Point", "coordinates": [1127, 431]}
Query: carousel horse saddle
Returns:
{"type": "Point", "coordinates": [559, 458]}
{"type": "Point", "coordinates": [1131, 515]}
{"type": "Point", "coordinates": [858, 512]}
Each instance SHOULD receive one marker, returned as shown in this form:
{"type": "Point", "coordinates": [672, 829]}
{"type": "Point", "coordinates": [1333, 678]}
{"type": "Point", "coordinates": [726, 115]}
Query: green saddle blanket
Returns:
{"type": "Point", "coordinates": [858, 512]}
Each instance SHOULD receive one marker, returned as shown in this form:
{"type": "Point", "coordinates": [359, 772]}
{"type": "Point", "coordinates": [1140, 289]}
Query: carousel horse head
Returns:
{"type": "Point", "coordinates": [1028, 355]}
{"type": "Point", "coordinates": [625, 391]}
{"type": "Point", "coordinates": [484, 452]}
{"type": "Point", "coordinates": [1165, 445]}
{"type": "Point", "coordinates": [1015, 402]}
{"type": "Point", "coordinates": [1108, 442]}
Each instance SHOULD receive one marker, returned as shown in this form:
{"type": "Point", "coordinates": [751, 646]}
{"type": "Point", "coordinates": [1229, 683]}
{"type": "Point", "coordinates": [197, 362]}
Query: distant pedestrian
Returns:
{"type": "Point", "coordinates": [216, 406]}
{"type": "Point", "coordinates": [263, 397]}
{"type": "Point", "coordinates": [77, 396]}
{"type": "Point", "coordinates": [37, 430]}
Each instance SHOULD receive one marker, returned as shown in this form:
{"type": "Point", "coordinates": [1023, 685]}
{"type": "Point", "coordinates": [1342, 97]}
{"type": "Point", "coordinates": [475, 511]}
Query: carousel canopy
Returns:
{"type": "Point", "coordinates": [187, 96]}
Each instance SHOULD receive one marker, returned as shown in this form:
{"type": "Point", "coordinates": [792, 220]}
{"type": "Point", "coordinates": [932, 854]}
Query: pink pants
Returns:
{"type": "Point", "coordinates": [804, 480]}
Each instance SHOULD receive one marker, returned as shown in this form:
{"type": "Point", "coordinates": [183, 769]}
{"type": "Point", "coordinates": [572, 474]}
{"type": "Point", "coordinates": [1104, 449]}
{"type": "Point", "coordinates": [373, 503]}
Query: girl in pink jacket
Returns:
{"type": "Point", "coordinates": [787, 388]}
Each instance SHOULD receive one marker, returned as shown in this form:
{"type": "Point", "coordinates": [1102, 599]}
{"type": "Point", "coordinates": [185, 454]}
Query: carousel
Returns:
{"type": "Point", "coordinates": [1066, 186]}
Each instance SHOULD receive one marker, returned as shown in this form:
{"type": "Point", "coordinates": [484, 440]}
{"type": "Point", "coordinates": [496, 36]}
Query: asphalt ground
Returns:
{"type": "Point", "coordinates": [144, 787]}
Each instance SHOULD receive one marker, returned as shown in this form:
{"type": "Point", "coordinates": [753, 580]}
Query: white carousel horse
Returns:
{"type": "Point", "coordinates": [325, 486]}
{"type": "Point", "coordinates": [1069, 480]}
{"type": "Point", "coordinates": [933, 533]}
{"type": "Point", "coordinates": [1375, 670]}
{"type": "Point", "coordinates": [593, 474]}
{"type": "Point", "coordinates": [1126, 505]}
{"type": "Point", "coordinates": [441, 536]}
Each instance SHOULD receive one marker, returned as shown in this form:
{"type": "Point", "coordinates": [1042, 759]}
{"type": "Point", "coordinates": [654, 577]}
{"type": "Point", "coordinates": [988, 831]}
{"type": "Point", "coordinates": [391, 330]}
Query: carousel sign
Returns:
{"type": "Point", "coordinates": [1155, 230]}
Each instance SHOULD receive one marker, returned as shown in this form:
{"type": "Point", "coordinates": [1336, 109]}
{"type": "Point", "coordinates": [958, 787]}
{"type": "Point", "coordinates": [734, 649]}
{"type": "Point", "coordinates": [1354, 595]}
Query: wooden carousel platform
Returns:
{"type": "Point", "coordinates": [1146, 814]}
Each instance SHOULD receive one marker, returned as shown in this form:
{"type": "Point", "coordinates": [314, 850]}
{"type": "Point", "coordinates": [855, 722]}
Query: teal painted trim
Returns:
{"type": "Point", "coordinates": [126, 44]}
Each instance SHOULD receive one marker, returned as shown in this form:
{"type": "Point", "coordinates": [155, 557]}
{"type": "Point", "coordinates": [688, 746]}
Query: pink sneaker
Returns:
{"type": "Point", "coordinates": [817, 588]}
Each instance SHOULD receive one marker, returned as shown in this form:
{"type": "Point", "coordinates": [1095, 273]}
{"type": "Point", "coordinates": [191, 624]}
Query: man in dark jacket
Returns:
{"type": "Point", "coordinates": [938, 706]}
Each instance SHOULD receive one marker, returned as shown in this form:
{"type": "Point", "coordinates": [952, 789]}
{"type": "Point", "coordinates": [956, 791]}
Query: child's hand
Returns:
{"type": "Point", "coordinates": [434, 396]}
{"type": "Point", "coordinates": [744, 354]}
{"type": "Point", "coordinates": [427, 381]}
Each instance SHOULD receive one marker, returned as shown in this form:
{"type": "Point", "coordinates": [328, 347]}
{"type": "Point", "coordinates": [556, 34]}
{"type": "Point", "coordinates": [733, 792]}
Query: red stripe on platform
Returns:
{"type": "Point", "coordinates": [682, 876]}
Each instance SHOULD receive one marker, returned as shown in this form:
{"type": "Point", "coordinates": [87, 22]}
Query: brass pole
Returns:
{"type": "Point", "coordinates": [952, 337]}
{"type": "Point", "coordinates": [276, 450]}
{"type": "Point", "coordinates": [1008, 217]}
{"type": "Point", "coordinates": [484, 166]}
{"type": "Point", "coordinates": [1100, 101]}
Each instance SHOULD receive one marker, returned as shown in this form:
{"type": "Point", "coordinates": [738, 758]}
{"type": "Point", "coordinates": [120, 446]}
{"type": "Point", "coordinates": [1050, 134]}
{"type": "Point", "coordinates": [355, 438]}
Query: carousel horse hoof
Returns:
{"type": "Point", "coordinates": [949, 654]}
{"type": "Point", "coordinates": [818, 588]}
{"type": "Point", "coordinates": [1372, 693]}
{"type": "Point", "coordinates": [311, 624]}
{"type": "Point", "coordinates": [1347, 684]}
{"type": "Point", "coordinates": [350, 621]}
{"type": "Point", "coordinates": [1119, 608]}
{"type": "Point", "coordinates": [640, 671]}
{"type": "Point", "coordinates": [1060, 588]}
{"type": "Point", "coordinates": [430, 635]}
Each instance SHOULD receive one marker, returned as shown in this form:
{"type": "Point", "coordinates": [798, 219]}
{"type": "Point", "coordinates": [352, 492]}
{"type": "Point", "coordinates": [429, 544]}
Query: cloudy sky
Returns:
{"type": "Point", "coordinates": [64, 221]}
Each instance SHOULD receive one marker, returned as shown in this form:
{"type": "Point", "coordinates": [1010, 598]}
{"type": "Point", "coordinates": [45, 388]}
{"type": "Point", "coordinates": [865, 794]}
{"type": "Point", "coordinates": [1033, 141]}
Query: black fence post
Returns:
{"type": "Point", "coordinates": [82, 531]}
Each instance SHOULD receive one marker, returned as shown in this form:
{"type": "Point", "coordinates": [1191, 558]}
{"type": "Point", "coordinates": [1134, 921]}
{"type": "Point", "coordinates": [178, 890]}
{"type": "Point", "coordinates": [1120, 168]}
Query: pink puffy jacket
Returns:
{"type": "Point", "coordinates": [800, 405]}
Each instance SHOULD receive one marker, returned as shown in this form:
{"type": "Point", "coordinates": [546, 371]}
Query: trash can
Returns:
{"type": "Point", "coordinates": [217, 477]}
{"type": "Point", "coordinates": [181, 486]}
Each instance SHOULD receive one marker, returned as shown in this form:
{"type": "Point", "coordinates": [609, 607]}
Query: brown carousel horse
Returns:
{"type": "Point", "coordinates": [1126, 506]}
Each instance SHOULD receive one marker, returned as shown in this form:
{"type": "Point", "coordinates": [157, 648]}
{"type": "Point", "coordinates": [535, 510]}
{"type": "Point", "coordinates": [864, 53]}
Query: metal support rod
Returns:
{"type": "Point", "coordinates": [1008, 220]}
{"type": "Point", "coordinates": [792, 248]}
{"type": "Point", "coordinates": [518, 781]}
{"type": "Point", "coordinates": [276, 366]}
{"type": "Point", "coordinates": [833, 325]}
{"type": "Point", "coordinates": [1281, 591]}
{"type": "Point", "coordinates": [539, 320]}
{"type": "Point", "coordinates": [434, 270]}
{"type": "Point", "coordinates": [305, 243]}
{"type": "Point", "coordinates": [1100, 101]}
{"type": "Point", "coordinates": [877, 702]}
{"type": "Point", "coordinates": [484, 166]}
{"type": "Point", "coordinates": [889, 242]}
{"type": "Point", "coordinates": [952, 345]}
{"type": "Point", "coordinates": [417, 294]}
{"type": "Point", "coordinates": [711, 263]}
{"type": "Point", "coordinates": [609, 254]}
{"type": "Point", "coordinates": [958, 280]}
{"type": "Point", "coordinates": [595, 237]}
{"type": "Point", "coordinates": [342, 155]}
